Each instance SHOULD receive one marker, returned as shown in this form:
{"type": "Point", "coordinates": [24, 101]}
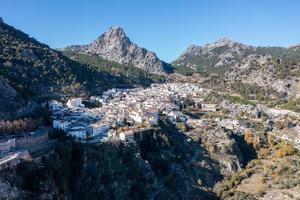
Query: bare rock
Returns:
{"type": "Point", "coordinates": [223, 52]}
{"type": "Point", "coordinates": [115, 46]}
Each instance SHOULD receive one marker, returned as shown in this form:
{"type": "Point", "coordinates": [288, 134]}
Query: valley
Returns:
{"type": "Point", "coordinates": [110, 120]}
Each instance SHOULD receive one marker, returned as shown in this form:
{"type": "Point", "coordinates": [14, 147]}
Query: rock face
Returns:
{"type": "Point", "coordinates": [223, 52]}
{"type": "Point", "coordinates": [263, 71]}
{"type": "Point", "coordinates": [115, 46]}
{"type": "Point", "coordinates": [294, 48]}
{"type": "Point", "coordinates": [226, 53]}
{"type": "Point", "coordinates": [273, 69]}
{"type": "Point", "coordinates": [1, 20]}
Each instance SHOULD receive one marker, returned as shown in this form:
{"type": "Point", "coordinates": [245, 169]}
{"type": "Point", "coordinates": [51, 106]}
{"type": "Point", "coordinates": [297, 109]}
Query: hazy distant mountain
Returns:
{"type": "Point", "coordinates": [115, 46]}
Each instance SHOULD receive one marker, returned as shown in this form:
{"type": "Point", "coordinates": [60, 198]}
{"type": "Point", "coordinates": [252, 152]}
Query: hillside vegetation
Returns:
{"type": "Point", "coordinates": [32, 67]}
{"type": "Point", "coordinates": [127, 74]}
{"type": "Point", "coordinates": [32, 71]}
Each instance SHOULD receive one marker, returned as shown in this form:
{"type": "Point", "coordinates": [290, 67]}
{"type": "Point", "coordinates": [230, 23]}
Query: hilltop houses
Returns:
{"type": "Point", "coordinates": [130, 109]}
{"type": "Point", "coordinates": [229, 123]}
{"type": "Point", "coordinates": [122, 107]}
{"type": "Point", "coordinates": [59, 124]}
{"type": "Point", "coordinates": [127, 136]}
{"type": "Point", "coordinates": [176, 116]}
{"type": "Point", "coordinates": [77, 132]}
{"type": "Point", "coordinates": [98, 129]}
{"type": "Point", "coordinates": [209, 107]}
{"type": "Point", "coordinates": [148, 117]}
{"type": "Point", "coordinates": [75, 103]}
{"type": "Point", "coordinates": [137, 116]}
{"type": "Point", "coordinates": [275, 112]}
{"type": "Point", "coordinates": [55, 105]}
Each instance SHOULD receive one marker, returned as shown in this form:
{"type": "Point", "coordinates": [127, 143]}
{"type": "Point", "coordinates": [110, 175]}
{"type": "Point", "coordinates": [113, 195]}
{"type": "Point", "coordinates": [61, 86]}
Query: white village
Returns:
{"type": "Point", "coordinates": [121, 107]}
{"type": "Point", "coordinates": [141, 108]}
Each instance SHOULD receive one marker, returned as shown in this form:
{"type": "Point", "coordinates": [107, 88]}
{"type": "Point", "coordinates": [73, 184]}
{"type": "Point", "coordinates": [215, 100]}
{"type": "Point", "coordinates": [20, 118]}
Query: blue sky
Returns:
{"type": "Point", "coordinates": [166, 27]}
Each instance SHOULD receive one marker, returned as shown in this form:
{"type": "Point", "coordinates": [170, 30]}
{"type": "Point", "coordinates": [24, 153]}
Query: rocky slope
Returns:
{"type": "Point", "coordinates": [115, 46]}
{"type": "Point", "coordinates": [127, 75]}
{"type": "Point", "coordinates": [225, 53]}
{"type": "Point", "coordinates": [266, 72]}
{"type": "Point", "coordinates": [222, 53]}
{"type": "Point", "coordinates": [274, 174]}
{"type": "Point", "coordinates": [163, 164]}
{"type": "Point", "coordinates": [255, 72]}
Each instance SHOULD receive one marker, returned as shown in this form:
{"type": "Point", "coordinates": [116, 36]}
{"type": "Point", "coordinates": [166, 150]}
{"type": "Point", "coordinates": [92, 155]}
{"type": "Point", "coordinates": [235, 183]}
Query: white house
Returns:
{"type": "Point", "coordinates": [127, 136]}
{"type": "Point", "coordinates": [75, 103]}
{"type": "Point", "coordinates": [137, 116]}
{"type": "Point", "coordinates": [92, 115]}
{"type": "Point", "coordinates": [195, 123]}
{"type": "Point", "coordinates": [77, 132]}
{"type": "Point", "coordinates": [153, 119]}
{"type": "Point", "coordinates": [96, 99]}
{"type": "Point", "coordinates": [170, 107]}
{"type": "Point", "coordinates": [55, 105]}
{"type": "Point", "coordinates": [7, 146]}
{"type": "Point", "coordinates": [176, 116]}
{"type": "Point", "coordinates": [209, 107]}
{"type": "Point", "coordinates": [229, 123]}
{"type": "Point", "coordinates": [121, 120]}
{"type": "Point", "coordinates": [59, 124]}
{"type": "Point", "coordinates": [275, 112]}
{"type": "Point", "coordinates": [98, 129]}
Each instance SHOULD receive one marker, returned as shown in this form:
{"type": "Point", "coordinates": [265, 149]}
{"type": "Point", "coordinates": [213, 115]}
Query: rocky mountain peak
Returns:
{"type": "Point", "coordinates": [115, 32]}
{"type": "Point", "coordinates": [221, 42]}
{"type": "Point", "coordinates": [199, 50]}
{"type": "Point", "coordinates": [193, 50]}
{"type": "Point", "coordinates": [115, 46]}
{"type": "Point", "coordinates": [114, 38]}
{"type": "Point", "coordinates": [294, 47]}
{"type": "Point", "coordinates": [1, 20]}
{"type": "Point", "coordinates": [223, 52]}
{"type": "Point", "coordinates": [225, 41]}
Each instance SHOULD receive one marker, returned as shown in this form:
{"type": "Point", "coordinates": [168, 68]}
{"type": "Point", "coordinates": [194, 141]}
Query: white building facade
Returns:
{"type": "Point", "coordinates": [7, 146]}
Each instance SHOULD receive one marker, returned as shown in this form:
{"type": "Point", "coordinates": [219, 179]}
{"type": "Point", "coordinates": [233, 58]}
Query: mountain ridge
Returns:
{"type": "Point", "coordinates": [222, 52]}
{"type": "Point", "coordinates": [226, 53]}
{"type": "Point", "coordinates": [114, 45]}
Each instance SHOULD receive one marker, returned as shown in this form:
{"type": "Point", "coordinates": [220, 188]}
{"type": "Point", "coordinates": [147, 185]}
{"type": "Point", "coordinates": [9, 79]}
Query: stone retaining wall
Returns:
{"type": "Point", "coordinates": [27, 142]}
